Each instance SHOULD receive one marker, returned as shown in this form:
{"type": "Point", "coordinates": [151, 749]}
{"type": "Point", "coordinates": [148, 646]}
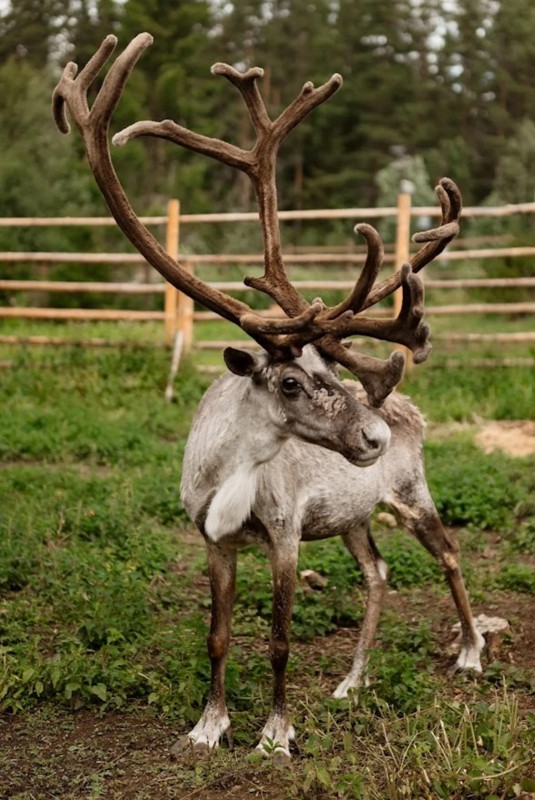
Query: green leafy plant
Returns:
{"type": "Point", "coordinates": [471, 488]}
{"type": "Point", "coordinates": [517, 577]}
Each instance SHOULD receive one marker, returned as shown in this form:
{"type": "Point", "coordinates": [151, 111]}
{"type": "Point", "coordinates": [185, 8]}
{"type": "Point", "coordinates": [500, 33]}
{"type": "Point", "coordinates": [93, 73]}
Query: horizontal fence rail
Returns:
{"type": "Point", "coordinates": [254, 259]}
{"type": "Point", "coordinates": [20, 312]}
{"type": "Point", "coordinates": [508, 210]}
{"type": "Point", "coordinates": [106, 287]}
{"type": "Point", "coordinates": [178, 314]}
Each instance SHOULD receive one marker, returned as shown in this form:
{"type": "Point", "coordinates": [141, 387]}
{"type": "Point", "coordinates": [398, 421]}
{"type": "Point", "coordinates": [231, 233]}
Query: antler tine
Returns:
{"type": "Point", "coordinates": [246, 83]}
{"type": "Point", "coordinates": [274, 281]}
{"type": "Point", "coordinates": [259, 163]}
{"type": "Point", "coordinates": [308, 99]}
{"type": "Point", "coordinates": [255, 325]}
{"type": "Point", "coordinates": [270, 133]}
{"type": "Point", "coordinates": [437, 239]}
{"type": "Point", "coordinates": [379, 377]}
{"type": "Point", "coordinates": [407, 328]}
{"type": "Point", "coordinates": [374, 261]}
{"type": "Point", "coordinates": [71, 94]}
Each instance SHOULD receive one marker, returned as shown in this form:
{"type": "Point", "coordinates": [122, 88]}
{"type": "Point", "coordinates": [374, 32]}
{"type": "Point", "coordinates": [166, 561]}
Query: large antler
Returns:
{"type": "Point", "coordinates": [93, 124]}
{"type": "Point", "coordinates": [305, 323]}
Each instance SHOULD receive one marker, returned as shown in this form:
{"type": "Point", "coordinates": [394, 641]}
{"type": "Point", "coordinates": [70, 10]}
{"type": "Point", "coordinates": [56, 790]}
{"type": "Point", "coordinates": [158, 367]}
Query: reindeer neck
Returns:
{"type": "Point", "coordinates": [232, 434]}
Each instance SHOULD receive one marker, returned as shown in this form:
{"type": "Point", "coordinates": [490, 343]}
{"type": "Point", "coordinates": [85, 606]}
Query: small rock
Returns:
{"type": "Point", "coordinates": [387, 519]}
{"type": "Point", "coordinates": [492, 628]}
{"type": "Point", "coordinates": [313, 579]}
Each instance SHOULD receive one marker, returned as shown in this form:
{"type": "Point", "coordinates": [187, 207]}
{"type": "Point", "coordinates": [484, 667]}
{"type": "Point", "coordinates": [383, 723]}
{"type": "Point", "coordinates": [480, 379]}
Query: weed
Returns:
{"type": "Point", "coordinates": [517, 578]}
{"type": "Point", "coordinates": [471, 488]}
{"type": "Point", "coordinates": [522, 540]}
{"type": "Point", "coordinates": [444, 394]}
{"type": "Point", "coordinates": [399, 681]}
{"type": "Point", "coordinates": [409, 563]}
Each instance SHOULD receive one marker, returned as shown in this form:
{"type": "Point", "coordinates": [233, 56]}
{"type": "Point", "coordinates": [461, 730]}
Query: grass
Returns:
{"type": "Point", "coordinates": [104, 603]}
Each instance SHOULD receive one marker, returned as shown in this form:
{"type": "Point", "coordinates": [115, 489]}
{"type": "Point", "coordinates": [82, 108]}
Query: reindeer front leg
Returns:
{"type": "Point", "coordinates": [215, 722]}
{"type": "Point", "coordinates": [278, 731]}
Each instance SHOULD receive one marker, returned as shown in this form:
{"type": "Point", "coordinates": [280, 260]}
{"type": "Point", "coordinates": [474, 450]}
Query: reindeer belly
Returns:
{"type": "Point", "coordinates": [340, 508]}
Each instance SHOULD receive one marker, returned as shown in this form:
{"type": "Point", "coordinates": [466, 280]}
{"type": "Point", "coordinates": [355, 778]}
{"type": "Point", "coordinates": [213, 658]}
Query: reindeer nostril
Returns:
{"type": "Point", "coordinates": [371, 441]}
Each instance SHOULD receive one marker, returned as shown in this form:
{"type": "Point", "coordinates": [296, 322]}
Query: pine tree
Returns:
{"type": "Point", "coordinates": [40, 174]}
{"type": "Point", "coordinates": [27, 30]}
{"type": "Point", "coordinates": [466, 68]}
{"type": "Point", "coordinates": [89, 25]}
{"type": "Point", "coordinates": [512, 53]}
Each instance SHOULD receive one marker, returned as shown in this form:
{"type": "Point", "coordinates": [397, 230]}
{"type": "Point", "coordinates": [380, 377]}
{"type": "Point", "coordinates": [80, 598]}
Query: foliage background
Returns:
{"type": "Point", "coordinates": [450, 84]}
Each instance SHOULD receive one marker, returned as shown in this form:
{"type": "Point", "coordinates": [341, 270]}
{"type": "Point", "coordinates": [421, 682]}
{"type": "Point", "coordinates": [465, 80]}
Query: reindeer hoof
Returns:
{"type": "Point", "coordinates": [281, 758]}
{"type": "Point", "coordinates": [185, 745]}
{"type": "Point", "coordinates": [463, 668]}
{"type": "Point", "coordinates": [182, 745]}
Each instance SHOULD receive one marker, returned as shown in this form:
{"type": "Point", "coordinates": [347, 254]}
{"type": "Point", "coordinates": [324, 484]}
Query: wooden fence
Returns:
{"type": "Point", "coordinates": [178, 314]}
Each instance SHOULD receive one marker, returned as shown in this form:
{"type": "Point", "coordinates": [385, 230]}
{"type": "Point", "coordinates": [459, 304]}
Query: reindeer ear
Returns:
{"type": "Point", "coordinates": [242, 362]}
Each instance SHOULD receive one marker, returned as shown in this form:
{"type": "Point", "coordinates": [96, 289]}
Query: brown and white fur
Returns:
{"type": "Point", "coordinates": [284, 452]}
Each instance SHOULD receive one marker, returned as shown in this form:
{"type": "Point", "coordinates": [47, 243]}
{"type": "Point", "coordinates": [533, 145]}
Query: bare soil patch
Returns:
{"type": "Point", "coordinates": [516, 437]}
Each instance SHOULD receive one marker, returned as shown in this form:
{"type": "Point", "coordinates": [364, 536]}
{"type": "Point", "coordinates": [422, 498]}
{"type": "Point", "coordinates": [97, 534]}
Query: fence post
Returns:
{"type": "Point", "coordinates": [172, 241]}
{"type": "Point", "coordinates": [185, 315]}
{"type": "Point", "coordinates": [403, 239]}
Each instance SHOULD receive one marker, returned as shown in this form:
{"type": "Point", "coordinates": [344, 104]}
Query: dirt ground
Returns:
{"type": "Point", "coordinates": [124, 756]}
{"type": "Point", "coordinates": [516, 437]}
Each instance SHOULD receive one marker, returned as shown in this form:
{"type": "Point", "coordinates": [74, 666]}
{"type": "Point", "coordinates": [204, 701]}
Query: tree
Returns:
{"type": "Point", "coordinates": [89, 23]}
{"type": "Point", "coordinates": [514, 183]}
{"type": "Point", "coordinates": [378, 60]}
{"type": "Point", "coordinates": [27, 29]}
{"type": "Point", "coordinates": [171, 81]}
{"type": "Point", "coordinates": [512, 51]}
{"type": "Point", "coordinates": [39, 172]}
{"type": "Point", "coordinates": [466, 69]}
{"type": "Point", "coordinates": [411, 169]}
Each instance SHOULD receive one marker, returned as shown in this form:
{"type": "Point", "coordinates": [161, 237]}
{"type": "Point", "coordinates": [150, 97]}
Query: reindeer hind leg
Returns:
{"type": "Point", "coordinates": [362, 547]}
{"type": "Point", "coordinates": [422, 520]}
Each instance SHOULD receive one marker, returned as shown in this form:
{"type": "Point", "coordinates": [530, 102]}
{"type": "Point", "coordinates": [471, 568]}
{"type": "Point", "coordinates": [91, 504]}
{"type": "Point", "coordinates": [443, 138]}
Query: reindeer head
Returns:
{"type": "Point", "coordinates": [303, 397]}
{"type": "Point", "coordinates": [283, 339]}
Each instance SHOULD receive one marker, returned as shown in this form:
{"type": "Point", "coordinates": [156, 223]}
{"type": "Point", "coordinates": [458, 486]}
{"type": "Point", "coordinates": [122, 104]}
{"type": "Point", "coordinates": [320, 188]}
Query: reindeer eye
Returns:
{"type": "Point", "coordinates": [290, 386]}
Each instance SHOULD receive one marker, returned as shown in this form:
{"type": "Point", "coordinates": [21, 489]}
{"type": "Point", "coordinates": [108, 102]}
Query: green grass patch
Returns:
{"type": "Point", "coordinates": [469, 393]}
{"type": "Point", "coordinates": [472, 488]}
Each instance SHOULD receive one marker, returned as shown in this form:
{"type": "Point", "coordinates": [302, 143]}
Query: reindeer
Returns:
{"type": "Point", "coordinates": [281, 450]}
